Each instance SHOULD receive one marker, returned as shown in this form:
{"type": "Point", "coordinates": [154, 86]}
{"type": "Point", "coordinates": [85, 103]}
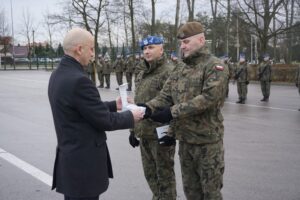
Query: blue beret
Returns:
{"type": "Point", "coordinates": [151, 40]}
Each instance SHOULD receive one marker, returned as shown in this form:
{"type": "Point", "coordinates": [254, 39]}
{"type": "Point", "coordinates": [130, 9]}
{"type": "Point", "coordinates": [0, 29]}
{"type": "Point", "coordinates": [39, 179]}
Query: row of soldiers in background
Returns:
{"type": "Point", "coordinates": [240, 75]}
{"type": "Point", "coordinates": [103, 66]}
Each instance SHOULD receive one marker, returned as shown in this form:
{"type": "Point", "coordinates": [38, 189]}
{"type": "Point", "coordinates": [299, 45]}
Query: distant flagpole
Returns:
{"type": "Point", "coordinates": [12, 32]}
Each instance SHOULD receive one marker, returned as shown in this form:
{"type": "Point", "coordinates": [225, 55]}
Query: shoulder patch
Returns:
{"type": "Point", "coordinates": [219, 67]}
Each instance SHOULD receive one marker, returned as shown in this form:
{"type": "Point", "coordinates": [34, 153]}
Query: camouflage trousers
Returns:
{"type": "Point", "coordinates": [107, 79]}
{"type": "Point", "coordinates": [129, 79]}
{"type": "Point", "coordinates": [242, 89]}
{"type": "Point", "coordinates": [202, 168]}
{"type": "Point", "coordinates": [158, 165]}
{"type": "Point", "coordinates": [119, 76]}
{"type": "Point", "coordinates": [265, 88]}
{"type": "Point", "coordinates": [101, 78]}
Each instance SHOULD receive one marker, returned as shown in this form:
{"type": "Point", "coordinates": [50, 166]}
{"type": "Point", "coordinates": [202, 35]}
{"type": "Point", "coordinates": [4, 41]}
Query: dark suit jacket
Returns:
{"type": "Point", "coordinates": [82, 165]}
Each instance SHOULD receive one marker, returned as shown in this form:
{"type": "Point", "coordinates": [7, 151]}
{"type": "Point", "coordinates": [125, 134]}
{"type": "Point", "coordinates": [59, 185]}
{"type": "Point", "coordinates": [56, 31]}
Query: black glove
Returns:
{"type": "Point", "coordinates": [163, 115]}
{"type": "Point", "coordinates": [133, 141]}
{"type": "Point", "coordinates": [167, 141]}
{"type": "Point", "coordinates": [148, 110]}
{"type": "Point", "coordinates": [247, 82]}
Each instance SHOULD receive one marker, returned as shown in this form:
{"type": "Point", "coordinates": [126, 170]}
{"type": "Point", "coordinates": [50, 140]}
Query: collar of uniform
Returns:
{"type": "Point", "coordinates": [196, 57]}
{"type": "Point", "coordinates": [155, 64]}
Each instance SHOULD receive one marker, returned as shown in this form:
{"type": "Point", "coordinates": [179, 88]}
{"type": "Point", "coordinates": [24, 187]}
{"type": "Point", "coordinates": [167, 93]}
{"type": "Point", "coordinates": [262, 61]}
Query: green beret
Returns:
{"type": "Point", "coordinates": [189, 29]}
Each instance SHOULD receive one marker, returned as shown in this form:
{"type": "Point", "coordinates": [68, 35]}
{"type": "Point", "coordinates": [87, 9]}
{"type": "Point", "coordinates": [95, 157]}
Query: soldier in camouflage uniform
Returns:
{"type": "Point", "coordinates": [298, 80]}
{"type": "Point", "coordinates": [230, 68]}
{"type": "Point", "coordinates": [242, 78]}
{"type": "Point", "coordinates": [139, 65]}
{"type": "Point", "coordinates": [100, 72]}
{"type": "Point", "coordinates": [129, 66]}
{"type": "Point", "coordinates": [192, 99]}
{"type": "Point", "coordinates": [264, 76]}
{"type": "Point", "coordinates": [157, 159]}
{"type": "Point", "coordinates": [106, 72]}
{"type": "Point", "coordinates": [91, 71]}
{"type": "Point", "coordinates": [118, 67]}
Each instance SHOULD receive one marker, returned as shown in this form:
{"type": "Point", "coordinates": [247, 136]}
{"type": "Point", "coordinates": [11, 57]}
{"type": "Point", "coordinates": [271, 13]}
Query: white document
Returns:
{"type": "Point", "coordinates": [162, 131]}
{"type": "Point", "coordinates": [125, 104]}
{"type": "Point", "coordinates": [123, 95]}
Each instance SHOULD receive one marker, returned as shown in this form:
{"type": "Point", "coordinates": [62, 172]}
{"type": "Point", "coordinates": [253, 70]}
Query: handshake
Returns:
{"type": "Point", "coordinates": [162, 115]}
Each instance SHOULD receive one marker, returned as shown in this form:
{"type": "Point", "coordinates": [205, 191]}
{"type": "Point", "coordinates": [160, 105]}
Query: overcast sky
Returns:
{"type": "Point", "coordinates": [38, 8]}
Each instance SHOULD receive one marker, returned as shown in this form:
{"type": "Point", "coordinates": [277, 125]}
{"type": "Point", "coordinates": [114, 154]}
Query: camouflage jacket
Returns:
{"type": "Point", "coordinates": [139, 66]}
{"type": "Point", "coordinates": [264, 71]}
{"type": "Point", "coordinates": [241, 73]}
{"type": "Point", "coordinates": [106, 68]}
{"type": "Point", "coordinates": [148, 84]}
{"type": "Point", "coordinates": [118, 65]}
{"type": "Point", "coordinates": [99, 67]}
{"type": "Point", "coordinates": [130, 64]}
{"type": "Point", "coordinates": [196, 93]}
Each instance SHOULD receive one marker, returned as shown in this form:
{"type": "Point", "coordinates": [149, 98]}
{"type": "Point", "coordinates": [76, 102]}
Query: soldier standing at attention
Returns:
{"type": "Point", "coordinates": [298, 80]}
{"type": "Point", "coordinates": [241, 76]}
{"type": "Point", "coordinates": [118, 68]}
{"type": "Point", "coordinates": [106, 72]}
{"type": "Point", "coordinates": [157, 159]}
{"type": "Point", "coordinates": [129, 71]}
{"type": "Point", "coordinates": [265, 77]}
{"type": "Point", "coordinates": [99, 71]}
{"type": "Point", "coordinates": [191, 100]}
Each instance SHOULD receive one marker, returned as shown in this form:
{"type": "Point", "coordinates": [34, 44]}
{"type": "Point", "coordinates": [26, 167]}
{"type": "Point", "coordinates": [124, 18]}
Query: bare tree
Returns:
{"type": "Point", "coordinates": [259, 15]}
{"type": "Point", "coordinates": [191, 9]}
{"type": "Point", "coordinates": [289, 7]}
{"type": "Point", "coordinates": [228, 25]}
{"type": "Point", "coordinates": [4, 25]}
{"type": "Point", "coordinates": [176, 23]}
{"type": "Point", "coordinates": [124, 21]}
{"type": "Point", "coordinates": [90, 13]}
{"type": "Point", "coordinates": [214, 9]}
{"type": "Point", "coordinates": [27, 30]}
{"type": "Point", "coordinates": [131, 12]}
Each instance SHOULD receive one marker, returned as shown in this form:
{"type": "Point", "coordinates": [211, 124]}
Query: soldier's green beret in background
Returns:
{"type": "Point", "coordinates": [190, 29]}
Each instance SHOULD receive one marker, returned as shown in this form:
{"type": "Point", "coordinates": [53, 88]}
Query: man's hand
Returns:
{"type": "Point", "coordinates": [163, 115]}
{"type": "Point", "coordinates": [167, 141]}
{"type": "Point", "coordinates": [138, 114]}
{"type": "Point", "coordinates": [148, 110]}
{"type": "Point", "coordinates": [119, 103]}
{"type": "Point", "coordinates": [132, 140]}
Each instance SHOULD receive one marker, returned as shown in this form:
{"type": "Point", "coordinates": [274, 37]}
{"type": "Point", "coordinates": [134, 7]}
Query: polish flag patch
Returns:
{"type": "Point", "coordinates": [219, 67]}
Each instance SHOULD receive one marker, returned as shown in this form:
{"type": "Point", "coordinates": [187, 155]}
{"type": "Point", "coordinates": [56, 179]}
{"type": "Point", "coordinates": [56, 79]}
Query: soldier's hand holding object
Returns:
{"type": "Point", "coordinates": [162, 115]}
{"type": "Point", "coordinates": [148, 110]}
{"type": "Point", "coordinates": [119, 103]}
{"type": "Point", "coordinates": [133, 141]}
{"type": "Point", "coordinates": [167, 141]}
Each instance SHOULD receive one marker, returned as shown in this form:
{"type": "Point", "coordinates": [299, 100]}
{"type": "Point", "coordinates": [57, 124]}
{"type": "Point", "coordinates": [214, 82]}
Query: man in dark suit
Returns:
{"type": "Point", "coordinates": [82, 164]}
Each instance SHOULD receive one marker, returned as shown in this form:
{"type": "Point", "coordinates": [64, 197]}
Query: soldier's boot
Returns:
{"type": "Point", "coordinates": [243, 101]}
{"type": "Point", "coordinates": [239, 101]}
{"type": "Point", "coordinates": [263, 99]}
{"type": "Point", "coordinates": [129, 89]}
{"type": "Point", "coordinates": [299, 109]}
{"type": "Point", "coordinates": [100, 86]}
{"type": "Point", "coordinates": [107, 87]}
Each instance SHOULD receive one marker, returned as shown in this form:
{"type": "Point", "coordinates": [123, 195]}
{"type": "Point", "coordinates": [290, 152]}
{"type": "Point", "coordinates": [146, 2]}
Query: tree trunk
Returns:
{"type": "Point", "coordinates": [175, 46]}
{"type": "Point", "coordinates": [131, 10]}
{"type": "Point", "coordinates": [153, 17]}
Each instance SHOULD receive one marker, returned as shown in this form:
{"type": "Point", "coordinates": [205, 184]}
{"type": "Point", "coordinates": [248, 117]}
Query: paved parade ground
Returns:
{"type": "Point", "coordinates": [262, 144]}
